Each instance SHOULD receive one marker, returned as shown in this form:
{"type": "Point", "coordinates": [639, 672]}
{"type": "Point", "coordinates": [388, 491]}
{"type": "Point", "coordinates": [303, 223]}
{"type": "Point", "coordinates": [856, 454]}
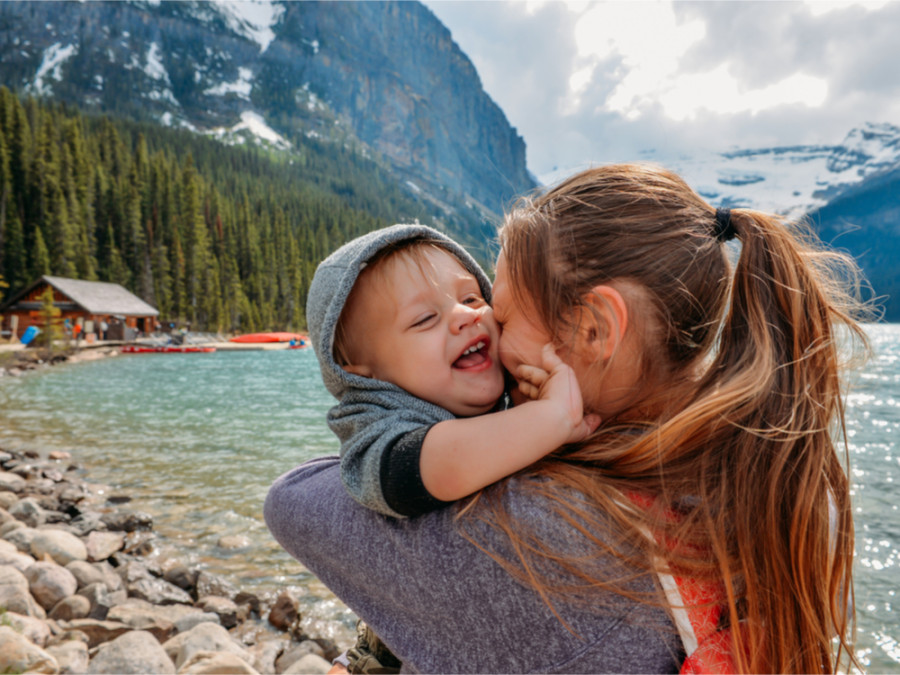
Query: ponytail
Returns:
{"type": "Point", "coordinates": [780, 359]}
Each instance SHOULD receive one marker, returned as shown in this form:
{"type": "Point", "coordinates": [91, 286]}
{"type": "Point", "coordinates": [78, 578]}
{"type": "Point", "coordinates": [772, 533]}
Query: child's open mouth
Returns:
{"type": "Point", "coordinates": [474, 355]}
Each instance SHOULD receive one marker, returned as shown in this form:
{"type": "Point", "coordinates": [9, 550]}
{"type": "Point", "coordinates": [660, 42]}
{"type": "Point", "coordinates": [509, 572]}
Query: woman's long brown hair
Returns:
{"type": "Point", "coordinates": [743, 410]}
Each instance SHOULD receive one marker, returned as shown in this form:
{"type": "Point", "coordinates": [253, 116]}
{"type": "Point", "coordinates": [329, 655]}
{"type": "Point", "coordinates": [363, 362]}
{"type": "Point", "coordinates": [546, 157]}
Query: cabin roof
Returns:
{"type": "Point", "coordinates": [95, 297]}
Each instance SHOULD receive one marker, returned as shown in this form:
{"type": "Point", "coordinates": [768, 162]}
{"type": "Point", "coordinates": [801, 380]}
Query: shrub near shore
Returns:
{"type": "Point", "coordinates": [81, 592]}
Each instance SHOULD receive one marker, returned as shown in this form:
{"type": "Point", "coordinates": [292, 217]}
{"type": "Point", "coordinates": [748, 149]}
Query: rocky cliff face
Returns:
{"type": "Point", "coordinates": [384, 77]}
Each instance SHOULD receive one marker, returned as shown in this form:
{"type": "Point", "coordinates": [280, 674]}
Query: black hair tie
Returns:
{"type": "Point", "coordinates": [724, 230]}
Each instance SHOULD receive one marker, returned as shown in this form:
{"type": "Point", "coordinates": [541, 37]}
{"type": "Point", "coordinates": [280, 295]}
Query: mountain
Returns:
{"type": "Point", "coordinates": [865, 220]}
{"type": "Point", "coordinates": [850, 193]}
{"type": "Point", "coordinates": [384, 78]}
{"type": "Point", "coordinates": [793, 180]}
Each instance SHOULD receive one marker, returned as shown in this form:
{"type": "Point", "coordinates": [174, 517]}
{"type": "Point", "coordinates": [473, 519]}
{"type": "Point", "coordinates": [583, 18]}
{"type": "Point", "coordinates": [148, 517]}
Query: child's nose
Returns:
{"type": "Point", "coordinates": [465, 316]}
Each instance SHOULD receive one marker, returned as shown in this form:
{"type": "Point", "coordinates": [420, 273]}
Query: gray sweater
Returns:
{"type": "Point", "coordinates": [381, 427]}
{"type": "Point", "coordinates": [444, 606]}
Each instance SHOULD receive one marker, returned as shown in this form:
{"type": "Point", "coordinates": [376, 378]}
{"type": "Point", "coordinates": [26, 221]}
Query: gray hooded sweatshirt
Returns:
{"type": "Point", "coordinates": [381, 426]}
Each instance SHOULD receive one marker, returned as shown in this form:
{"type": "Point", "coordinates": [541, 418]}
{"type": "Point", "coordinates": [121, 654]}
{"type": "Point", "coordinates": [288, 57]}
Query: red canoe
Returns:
{"type": "Point", "coordinates": [301, 340]}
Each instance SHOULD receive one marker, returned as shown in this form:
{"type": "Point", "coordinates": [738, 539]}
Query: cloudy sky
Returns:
{"type": "Point", "coordinates": [591, 82]}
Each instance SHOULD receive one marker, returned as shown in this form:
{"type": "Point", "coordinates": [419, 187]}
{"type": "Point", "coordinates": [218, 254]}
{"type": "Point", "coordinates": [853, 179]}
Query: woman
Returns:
{"type": "Point", "coordinates": [713, 473]}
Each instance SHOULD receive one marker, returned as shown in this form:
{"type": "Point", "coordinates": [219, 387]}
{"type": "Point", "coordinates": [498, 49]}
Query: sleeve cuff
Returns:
{"type": "Point", "coordinates": [401, 481]}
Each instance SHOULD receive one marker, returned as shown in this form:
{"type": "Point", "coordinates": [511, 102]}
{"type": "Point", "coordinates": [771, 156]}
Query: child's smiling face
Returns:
{"type": "Point", "coordinates": [422, 323]}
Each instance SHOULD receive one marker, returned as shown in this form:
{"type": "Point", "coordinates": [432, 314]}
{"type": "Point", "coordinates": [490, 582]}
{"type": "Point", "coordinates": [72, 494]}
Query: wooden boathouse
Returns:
{"type": "Point", "coordinates": [94, 310]}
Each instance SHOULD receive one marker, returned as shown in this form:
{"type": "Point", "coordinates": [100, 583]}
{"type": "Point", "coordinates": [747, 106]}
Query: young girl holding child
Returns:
{"type": "Point", "coordinates": [719, 394]}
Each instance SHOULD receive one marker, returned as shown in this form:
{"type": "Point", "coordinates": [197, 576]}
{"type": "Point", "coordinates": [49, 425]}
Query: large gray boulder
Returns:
{"type": "Point", "coordinates": [62, 546]}
{"type": "Point", "coordinates": [71, 655]}
{"type": "Point", "coordinates": [205, 637]}
{"type": "Point", "coordinates": [18, 655]}
{"type": "Point", "coordinates": [15, 595]}
{"type": "Point", "coordinates": [134, 652]}
{"type": "Point", "coordinates": [49, 583]}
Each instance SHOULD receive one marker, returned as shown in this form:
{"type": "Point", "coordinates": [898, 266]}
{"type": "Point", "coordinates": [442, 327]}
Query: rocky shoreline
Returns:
{"type": "Point", "coordinates": [80, 591]}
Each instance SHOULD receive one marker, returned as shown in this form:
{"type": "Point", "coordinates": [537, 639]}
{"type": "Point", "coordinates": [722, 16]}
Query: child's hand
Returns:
{"type": "Point", "coordinates": [555, 382]}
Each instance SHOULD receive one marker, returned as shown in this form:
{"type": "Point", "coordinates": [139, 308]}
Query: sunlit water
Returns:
{"type": "Point", "coordinates": [196, 439]}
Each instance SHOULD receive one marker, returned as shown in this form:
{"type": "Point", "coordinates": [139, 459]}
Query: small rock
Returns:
{"type": "Point", "coordinates": [28, 511]}
{"type": "Point", "coordinates": [224, 608]}
{"type": "Point", "coordinates": [112, 580]}
{"type": "Point", "coordinates": [134, 652]}
{"type": "Point", "coordinates": [7, 499]}
{"type": "Point", "coordinates": [285, 612]}
{"type": "Point", "coordinates": [213, 584]}
{"type": "Point", "coordinates": [71, 655]}
{"type": "Point", "coordinates": [101, 545]}
{"type": "Point", "coordinates": [233, 542]}
{"type": "Point", "coordinates": [73, 607]}
{"type": "Point", "coordinates": [188, 621]}
{"type": "Point", "coordinates": [182, 576]}
{"type": "Point", "coordinates": [11, 482]}
{"type": "Point", "coordinates": [54, 474]}
{"type": "Point", "coordinates": [127, 521]}
{"type": "Point", "coordinates": [101, 599]}
{"type": "Point", "coordinates": [20, 534]}
{"type": "Point", "coordinates": [97, 632]}
{"type": "Point", "coordinates": [18, 655]}
{"type": "Point", "coordinates": [142, 615]}
{"type": "Point", "coordinates": [265, 653]}
{"type": "Point", "coordinates": [21, 561]}
{"type": "Point", "coordinates": [214, 663]}
{"type": "Point", "coordinates": [63, 547]}
{"type": "Point", "coordinates": [84, 572]}
{"type": "Point", "coordinates": [311, 663]}
{"type": "Point", "coordinates": [59, 454]}
{"type": "Point", "coordinates": [84, 523]}
{"type": "Point", "coordinates": [205, 637]}
{"type": "Point", "coordinates": [49, 583]}
{"type": "Point", "coordinates": [71, 493]}
{"type": "Point", "coordinates": [158, 591]}
{"type": "Point", "coordinates": [294, 654]}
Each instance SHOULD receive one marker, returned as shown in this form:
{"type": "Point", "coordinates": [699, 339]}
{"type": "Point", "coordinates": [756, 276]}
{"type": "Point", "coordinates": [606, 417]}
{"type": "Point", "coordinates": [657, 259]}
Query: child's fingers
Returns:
{"type": "Point", "coordinates": [549, 357]}
{"type": "Point", "coordinates": [528, 390]}
{"type": "Point", "coordinates": [532, 375]}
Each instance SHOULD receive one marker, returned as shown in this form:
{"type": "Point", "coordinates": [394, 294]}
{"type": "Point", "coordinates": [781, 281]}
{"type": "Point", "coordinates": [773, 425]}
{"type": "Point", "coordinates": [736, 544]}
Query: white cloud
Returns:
{"type": "Point", "coordinates": [589, 82]}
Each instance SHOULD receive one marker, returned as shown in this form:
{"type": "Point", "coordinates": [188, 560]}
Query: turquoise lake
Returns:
{"type": "Point", "coordinates": [196, 439]}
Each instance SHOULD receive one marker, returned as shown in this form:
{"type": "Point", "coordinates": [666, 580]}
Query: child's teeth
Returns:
{"type": "Point", "coordinates": [474, 348]}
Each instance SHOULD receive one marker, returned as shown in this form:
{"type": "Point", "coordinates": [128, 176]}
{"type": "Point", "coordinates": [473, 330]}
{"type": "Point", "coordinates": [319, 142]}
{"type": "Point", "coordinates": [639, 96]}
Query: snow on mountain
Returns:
{"type": "Point", "coordinates": [790, 180]}
{"type": "Point", "coordinates": [254, 125]}
{"type": "Point", "coordinates": [254, 19]}
{"type": "Point", "coordinates": [54, 57]}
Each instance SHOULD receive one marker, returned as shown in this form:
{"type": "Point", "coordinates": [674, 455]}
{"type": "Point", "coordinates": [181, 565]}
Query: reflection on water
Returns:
{"type": "Point", "coordinates": [196, 439]}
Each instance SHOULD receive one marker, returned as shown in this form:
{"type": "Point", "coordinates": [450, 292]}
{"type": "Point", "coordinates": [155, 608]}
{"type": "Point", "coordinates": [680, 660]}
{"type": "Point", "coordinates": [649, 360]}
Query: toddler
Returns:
{"type": "Point", "coordinates": [406, 339]}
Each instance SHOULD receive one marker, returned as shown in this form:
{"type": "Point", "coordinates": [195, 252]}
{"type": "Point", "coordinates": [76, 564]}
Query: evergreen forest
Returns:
{"type": "Point", "coordinates": [216, 237]}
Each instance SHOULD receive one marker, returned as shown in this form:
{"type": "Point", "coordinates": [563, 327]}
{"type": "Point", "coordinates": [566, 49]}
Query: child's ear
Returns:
{"type": "Point", "coordinates": [364, 371]}
{"type": "Point", "coordinates": [605, 321]}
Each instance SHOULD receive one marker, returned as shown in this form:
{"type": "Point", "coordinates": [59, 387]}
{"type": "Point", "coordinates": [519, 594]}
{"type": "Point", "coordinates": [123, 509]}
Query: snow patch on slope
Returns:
{"type": "Point", "coordinates": [54, 57]}
{"type": "Point", "coordinates": [241, 86]}
{"type": "Point", "coordinates": [254, 124]}
{"type": "Point", "coordinates": [252, 19]}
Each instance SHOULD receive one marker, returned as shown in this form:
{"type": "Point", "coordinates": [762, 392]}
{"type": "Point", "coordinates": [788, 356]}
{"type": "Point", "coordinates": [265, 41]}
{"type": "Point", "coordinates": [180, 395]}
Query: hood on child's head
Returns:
{"type": "Point", "coordinates": [334, 279]}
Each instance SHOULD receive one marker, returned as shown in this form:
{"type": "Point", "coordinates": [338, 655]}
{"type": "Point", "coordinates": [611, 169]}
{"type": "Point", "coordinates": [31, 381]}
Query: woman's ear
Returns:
{"type": "Point", "coordinates": [605, 320]}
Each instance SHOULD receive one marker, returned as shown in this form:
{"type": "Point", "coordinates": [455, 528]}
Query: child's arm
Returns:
{"type": "Point", "coordinates": [464, 455]}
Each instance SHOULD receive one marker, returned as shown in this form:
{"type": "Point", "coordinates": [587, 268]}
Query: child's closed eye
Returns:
{"type": "Point", "coordinates": [423, 320]}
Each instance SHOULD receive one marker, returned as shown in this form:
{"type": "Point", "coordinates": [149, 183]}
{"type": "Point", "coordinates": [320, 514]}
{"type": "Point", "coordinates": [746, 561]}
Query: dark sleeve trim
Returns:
{"type": "Point", "coordinates": [401, 481]}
